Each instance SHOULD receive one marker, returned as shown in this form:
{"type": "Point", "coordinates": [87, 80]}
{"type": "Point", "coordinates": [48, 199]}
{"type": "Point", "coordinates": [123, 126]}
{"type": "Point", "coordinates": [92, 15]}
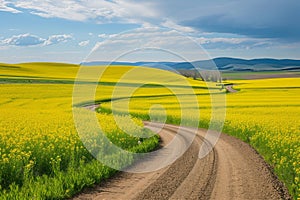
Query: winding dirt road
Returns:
{"type": "Point", "coordinates": [230, 89]}
{"type": "Point", "coordinates": [233, 170]}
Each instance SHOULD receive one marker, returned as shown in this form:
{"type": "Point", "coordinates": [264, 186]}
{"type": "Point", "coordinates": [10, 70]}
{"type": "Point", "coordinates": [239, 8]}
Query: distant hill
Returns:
{"type": "Point", "coordinates": [223, 64]}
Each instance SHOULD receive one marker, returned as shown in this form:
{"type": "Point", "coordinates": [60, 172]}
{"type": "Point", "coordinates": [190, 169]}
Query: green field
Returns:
{"type": "Point", "coordinates": [42, 156]}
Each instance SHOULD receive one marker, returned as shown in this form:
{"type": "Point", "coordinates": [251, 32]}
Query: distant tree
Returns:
{"type": "Point", "coordinates": [190, 74]}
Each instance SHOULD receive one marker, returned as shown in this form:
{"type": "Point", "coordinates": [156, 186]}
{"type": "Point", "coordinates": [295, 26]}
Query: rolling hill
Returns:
{"type": "Point", "coordinates": [223, 64]}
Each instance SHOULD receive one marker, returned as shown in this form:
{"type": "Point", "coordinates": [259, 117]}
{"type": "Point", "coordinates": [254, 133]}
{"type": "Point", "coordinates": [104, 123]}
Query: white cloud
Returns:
{"type": "Point", "coordinates": [83, 43]}
{"type": "Point", "coordinates": [278, 21]}
{"type": "Point", "coordinates": [55, 39]}
{"type": "Point", "coordinates": [172, 25]}
{"type": "Point", "coordinates": [102, 35]}
{"type": "Point", "coordinates": [100, 11]}
{"type": "Point", "coordinates": [232, 40]}
{"type": "Point", "coordinates": [167, 42]}
{"type": "Point", "coordinates": [33, 40]}
{"type": "Point", "coordinates": [14, 29]}
{"type": "Point", "coordinates": [23, 40]}
{"type": "Point", "coordinates": [234, 43]}
{"type": "Point", "coordinates": [4, 7]}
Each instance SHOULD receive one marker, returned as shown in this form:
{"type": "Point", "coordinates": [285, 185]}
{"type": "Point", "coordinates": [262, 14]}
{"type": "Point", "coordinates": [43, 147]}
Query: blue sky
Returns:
{"type": "Point", "coordinates": [67, 31]}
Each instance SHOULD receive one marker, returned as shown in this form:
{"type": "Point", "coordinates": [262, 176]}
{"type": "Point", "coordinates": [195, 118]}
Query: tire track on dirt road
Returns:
{"type": "Point", "coordinates": [233, 170]}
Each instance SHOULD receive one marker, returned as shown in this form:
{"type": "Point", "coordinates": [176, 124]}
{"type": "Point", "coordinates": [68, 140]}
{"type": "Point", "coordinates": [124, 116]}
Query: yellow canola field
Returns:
{"type": "Point", "coordinates": [264, 113]}
{"type": "Point", "coordinates": [39, 143]}
{"type": "Point", "coordinates": [41, 153]}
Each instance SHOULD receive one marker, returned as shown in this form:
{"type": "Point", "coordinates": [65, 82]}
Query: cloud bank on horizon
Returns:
{"type": "Point", "coordinates": [44, 30]}
{"type": "Point", "coordinates": [33, 40]}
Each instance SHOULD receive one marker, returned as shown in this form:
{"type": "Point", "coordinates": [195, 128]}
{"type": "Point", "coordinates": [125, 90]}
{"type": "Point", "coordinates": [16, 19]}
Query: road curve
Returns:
{"type": "Point", "coordinates": [230, 89]}
{"type": "Point", "coordinates": [233, 170]}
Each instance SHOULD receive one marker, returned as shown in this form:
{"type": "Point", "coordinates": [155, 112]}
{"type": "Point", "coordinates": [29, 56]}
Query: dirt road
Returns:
{"type": "Point", "coordinates": [230, 89]}
{"type": "Point", "coordinates": [233, 170]}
